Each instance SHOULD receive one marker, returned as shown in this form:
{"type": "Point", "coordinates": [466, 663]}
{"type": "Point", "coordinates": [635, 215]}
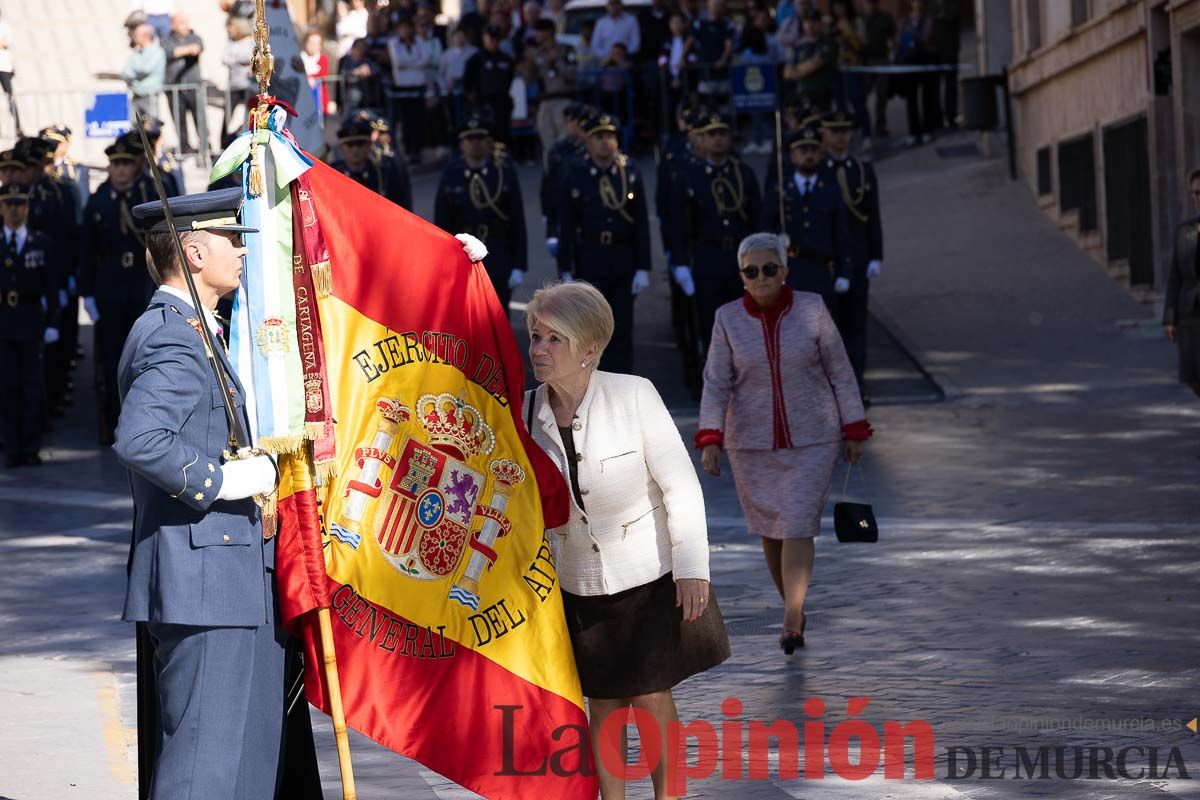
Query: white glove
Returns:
{"type": "Point", "coordinates": [841, 285]}
{"type": "Point", "coordinates": [567, 277]}
{"type": "Point", "coordinates": [683, 276]}
{"type": "Point", "coordinates": [552, 246]}
{"type": "Point", "coordinates": [476, 250]}
{"type": "Point", "coordinates": [641, 280]}
{"type": "Point", "coordinates": [873, 269]}
{"type": "Point", "coordinates": [246, 477]}
{"type": "Point", "coordinates": [93, 311]}
{"type": "Point", "coordinates": [50, 336]}
{"type": "Point", "coordinates": [62, 298]}
{"type": "Point", "coordinates": [516, 278]}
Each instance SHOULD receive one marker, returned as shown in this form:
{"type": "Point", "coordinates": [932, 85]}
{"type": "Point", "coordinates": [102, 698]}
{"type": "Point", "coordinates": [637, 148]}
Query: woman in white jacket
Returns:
{"type": "Point", "coordinates": [633, 559]}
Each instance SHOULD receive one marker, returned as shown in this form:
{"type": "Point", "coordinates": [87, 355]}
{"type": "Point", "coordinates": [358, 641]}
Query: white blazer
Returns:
{"type": "Point", "coordinates": [644, 512]}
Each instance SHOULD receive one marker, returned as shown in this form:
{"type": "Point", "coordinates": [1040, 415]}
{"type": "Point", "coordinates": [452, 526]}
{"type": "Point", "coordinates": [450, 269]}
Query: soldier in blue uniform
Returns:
{"type": "Point", "coordinates": [557, 161]}
{"type": "Point", "coordinates": [859, 189]}
{"type": "Point", "coordinates": [200, 569]}
{"type": "Point", "coordinates": [814, 218]}
{"type": "Point", "coordinates": [380, 176]}
{"type": "Point", "coordinates": [66, 169]}
{"type": "Point", "coordinates": [29, 314]}
{"type": "Point", "coordinates": [480, 194]}
{"type": "Point", "coordinates": [113, 280]}
{"type": "Point", "coordinates": [605, 232]}
{"type": "Point", "coordinates": [716, 204]}
{"type": "Point", "coordinates": [168, 167]}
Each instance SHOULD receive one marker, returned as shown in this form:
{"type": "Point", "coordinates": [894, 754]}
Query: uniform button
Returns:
{"type": "Point", "coordinates": [583, 491]}
{"type": "Point", "coordinates": [226, 537]}
{"type": "Point", "coordinates": [583, 520]}
{"type": "Point", "coordinates": [579, 456]}
{"type": "Point", "coordinates": [595, 548]}
{"type": "Point", "coordinates": [578, 426]}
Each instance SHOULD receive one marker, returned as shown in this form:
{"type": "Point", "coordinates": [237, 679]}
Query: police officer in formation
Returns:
{"type": "Point", "coordinates": [859, 188]}
{"type": "Point", "coordinates": [480, 194]}
{"type": "Point", "coordinates": [29, 319]}
{"type": "Point", "coordinates": [814, 218]}
{"type": "Point", "coordinates": [168, 167]}
{"type": "Point", "coordinates": [557, 160]}
{"type": "Point", "coordinates": [716, 204]}
{"type": "Point", "coordinates": [64, 168]}
{"type": "Point", "coordinates": [605, 231]}
{"type": "Point", "coordinates": [113, 279]}
{"type": "Point", "coordinates": [360, 162]}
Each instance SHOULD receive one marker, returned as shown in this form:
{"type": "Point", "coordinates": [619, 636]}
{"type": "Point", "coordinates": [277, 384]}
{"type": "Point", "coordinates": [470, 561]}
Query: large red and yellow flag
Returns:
{"type": "Point", "coordinates": [429, 542]}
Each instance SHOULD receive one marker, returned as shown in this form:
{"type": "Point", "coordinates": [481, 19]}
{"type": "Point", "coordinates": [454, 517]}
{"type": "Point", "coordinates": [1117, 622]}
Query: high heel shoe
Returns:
{"type": "Point", "coordinates": [790, 639]}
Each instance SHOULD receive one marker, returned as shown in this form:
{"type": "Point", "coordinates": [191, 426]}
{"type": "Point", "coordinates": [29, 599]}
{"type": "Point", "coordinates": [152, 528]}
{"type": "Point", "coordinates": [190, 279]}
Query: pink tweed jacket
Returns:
{"type": "Point", "coordinates": [778, 378]}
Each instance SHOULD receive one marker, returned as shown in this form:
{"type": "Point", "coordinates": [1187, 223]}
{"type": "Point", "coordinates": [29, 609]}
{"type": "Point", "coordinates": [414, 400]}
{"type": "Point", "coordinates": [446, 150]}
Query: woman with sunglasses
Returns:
{"type": "Point", "coordinates": [780, 397]}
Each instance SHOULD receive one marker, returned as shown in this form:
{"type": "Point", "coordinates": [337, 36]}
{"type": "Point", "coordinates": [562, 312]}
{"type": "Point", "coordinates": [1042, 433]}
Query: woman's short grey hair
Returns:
{"type": "Point", "coordinates": [577, 310]}
{"type": "Point", "coordinates": [762, 243]}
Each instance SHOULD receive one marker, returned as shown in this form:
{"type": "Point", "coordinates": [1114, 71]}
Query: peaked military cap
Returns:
{"type": "Point", "coordinates": [32, 151]}
{"type": "Point", "coordinates": [13, 191]}
{"type": "Point", "coordinates": [354, 129]}
{"type": "Point", "coordinates": [837, 120]}
{"type": "Point", "coordinates": [206, 211]}
{"type": "Point", "coordinates": [600, 123]}
{"type": "Point", "coordinates": [478, 122]}
{"type": "Point", "coordinates": [126, 148]}
{"type": "Point", "coordinates": [805, 137]}
{"type": "Point", "coordinates": [58, 132]}
{"type": "Point", "coordinates": [7, 159]}
{"type": "Point", "coordinates": [153, 127]}
{"type": "Point", "coordinates": [711, 121]}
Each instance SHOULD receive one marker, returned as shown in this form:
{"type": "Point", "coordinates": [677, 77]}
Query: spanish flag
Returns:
{"type": "Point", "coordinates": [427, 540]}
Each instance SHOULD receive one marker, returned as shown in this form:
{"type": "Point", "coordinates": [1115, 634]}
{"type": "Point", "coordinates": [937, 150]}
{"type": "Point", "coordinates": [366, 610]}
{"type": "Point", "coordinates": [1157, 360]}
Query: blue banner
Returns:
{"type": "Point", "coordinates": [108, 117]}
{"type": "Point", "coordinates": [753, 87]}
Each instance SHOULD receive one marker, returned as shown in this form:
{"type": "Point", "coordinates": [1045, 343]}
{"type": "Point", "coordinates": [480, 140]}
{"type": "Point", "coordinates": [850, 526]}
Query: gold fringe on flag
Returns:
{"type": "Point", "coordinates": [325, 471]}
{"type": "Point", "coordinates": [314, 430]}
{"type": "Point", "coordinates": [281, 444]}
{"type": "Point", "coordinates": [322, 275]}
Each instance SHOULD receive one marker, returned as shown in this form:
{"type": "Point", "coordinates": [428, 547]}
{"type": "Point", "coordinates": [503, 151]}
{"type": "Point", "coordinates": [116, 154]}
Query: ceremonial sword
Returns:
{"type": "Point", "coordinates": [239, 438]}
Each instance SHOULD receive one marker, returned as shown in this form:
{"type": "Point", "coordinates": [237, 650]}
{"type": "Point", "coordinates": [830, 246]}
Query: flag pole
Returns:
{"type": "Point", "coordinates": [783, 234]}
{"type": "Point", "coordinates": [263, 65]}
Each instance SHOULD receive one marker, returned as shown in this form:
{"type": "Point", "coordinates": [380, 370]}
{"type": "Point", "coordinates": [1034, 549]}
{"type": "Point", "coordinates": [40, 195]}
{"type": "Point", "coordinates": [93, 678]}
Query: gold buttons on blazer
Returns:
{"type": "Point", "coordinates": [578, 426]}
{"type": "Point", "coordinates": [595, 547]}
{"type": "Point", "coordinates": [579, 456]}
{"type": "Point", "coordinates": [225, 537]}
{"type": "Point", "coordinates": [583, 491]}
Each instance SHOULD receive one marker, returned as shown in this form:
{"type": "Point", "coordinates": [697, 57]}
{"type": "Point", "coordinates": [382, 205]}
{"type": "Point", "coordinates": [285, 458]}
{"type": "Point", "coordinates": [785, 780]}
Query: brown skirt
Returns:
{"type": "Point", "coordinates": [635, 642]}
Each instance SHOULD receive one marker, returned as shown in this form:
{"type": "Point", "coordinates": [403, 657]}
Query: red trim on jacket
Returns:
{"type": "Point", "coordinates": [769, 318]}
{"type": "Point", "coordinates": [707, 436]}
{"type": "Point", "coordinates": [857, 431]}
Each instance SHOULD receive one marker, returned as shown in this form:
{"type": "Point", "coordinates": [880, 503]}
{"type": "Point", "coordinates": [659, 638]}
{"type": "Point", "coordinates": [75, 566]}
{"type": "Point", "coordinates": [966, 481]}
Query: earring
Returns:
{"type": "Point", "coordinates": [583, 364]}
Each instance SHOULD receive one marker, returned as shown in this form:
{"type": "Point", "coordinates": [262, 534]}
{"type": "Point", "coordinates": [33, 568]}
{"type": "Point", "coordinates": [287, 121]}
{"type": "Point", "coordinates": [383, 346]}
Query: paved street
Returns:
{"type": "Point", "coordinates": [1034, 584]}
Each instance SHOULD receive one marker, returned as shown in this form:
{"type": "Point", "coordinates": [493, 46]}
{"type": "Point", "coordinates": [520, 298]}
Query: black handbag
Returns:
{"type": "Point", "coordinates": [854, 522]}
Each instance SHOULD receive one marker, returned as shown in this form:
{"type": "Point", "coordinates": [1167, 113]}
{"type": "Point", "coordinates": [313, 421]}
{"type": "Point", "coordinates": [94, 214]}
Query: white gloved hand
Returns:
{"type": "Point", "coordinates": [476, 250]}
{"type": "Point", "coordinates": [874, 268]}
{"type": "Point", "coordinates": [93, 311]}
{"type": "Point", "coordinates": [62, 298]}
{"type": "Point", "coordinates": [50, 336]}
{"type": "Point", "coordinates": [683, 276]}
{"type": "Point", "coordinates": [841, 285]}
{"type": "Point", "coordinates": [641, 280]}
{"type": "Point", "coordinates": [567, 277]}
{"type": "Point", "coordinates": [516, 278]}
{"type": "Point", "coordinates": [246, 477]}
{"type": "Point", "coordinates": [552, 246]}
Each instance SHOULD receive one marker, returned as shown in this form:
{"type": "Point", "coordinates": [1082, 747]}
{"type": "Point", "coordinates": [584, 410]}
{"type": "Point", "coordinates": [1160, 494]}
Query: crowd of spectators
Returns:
{"type": "Point", "coordinates": [399, 59]}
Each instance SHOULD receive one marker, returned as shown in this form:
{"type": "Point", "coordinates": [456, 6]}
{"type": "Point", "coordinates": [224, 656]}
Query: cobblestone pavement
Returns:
{"type": "Point", "coordinates": [1034, 584]}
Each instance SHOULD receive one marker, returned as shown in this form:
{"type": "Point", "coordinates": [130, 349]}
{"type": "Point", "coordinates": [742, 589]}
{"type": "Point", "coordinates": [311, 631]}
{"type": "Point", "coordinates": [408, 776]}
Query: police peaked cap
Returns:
{"type": "Point", "coordinates": [805, 137]}
{"type": "Point", "coordinates": [477, 122]}
{"type": "Point", "coordinates": [32, 151]}
{"type": "Point", "coordinates": [600, 123]}
{"type": "Point", "coordinates": [13, 191]}
{"type": "Point", "coordinates": [7, 159]}
{"type": "Point", "coordinates": [56, 133]}
{"type": "Point", "coordinates": [125, 148]}
{"type": "Point", "coordinates": [206, 211]}
{"type": "Point", "coordinates": [712, 121]}
{"type": "Point", "coordinates": [354, 129]}
{"type": "Point", "coordinates": [837, 120]}
{"type": "Point", "coordinates": [153, 127]}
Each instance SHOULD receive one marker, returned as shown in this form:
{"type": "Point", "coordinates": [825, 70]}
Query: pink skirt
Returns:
{"type": "Point", "coordinates": [783, 492]}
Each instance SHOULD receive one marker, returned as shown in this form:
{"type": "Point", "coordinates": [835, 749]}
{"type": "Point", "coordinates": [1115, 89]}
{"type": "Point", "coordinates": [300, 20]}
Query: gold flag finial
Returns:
{"type": "Point", "coordinates": [263, 62]}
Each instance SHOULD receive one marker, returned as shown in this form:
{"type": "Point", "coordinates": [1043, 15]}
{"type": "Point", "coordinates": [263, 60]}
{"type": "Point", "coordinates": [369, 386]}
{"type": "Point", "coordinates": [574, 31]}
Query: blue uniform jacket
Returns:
{"type": "Point", "coordinates": [195, 560]}
{"type": "Point", "coordinates": [860, 194]}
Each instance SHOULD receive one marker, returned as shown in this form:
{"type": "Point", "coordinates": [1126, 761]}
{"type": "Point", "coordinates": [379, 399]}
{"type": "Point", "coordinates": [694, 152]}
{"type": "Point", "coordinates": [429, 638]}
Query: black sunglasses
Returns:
{"type": "Point", "coordinates": [769, 270]}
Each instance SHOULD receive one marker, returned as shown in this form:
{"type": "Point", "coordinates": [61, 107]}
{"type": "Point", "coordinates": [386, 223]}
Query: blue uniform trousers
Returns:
{"type": "Point", "coordinates": [22, 398]}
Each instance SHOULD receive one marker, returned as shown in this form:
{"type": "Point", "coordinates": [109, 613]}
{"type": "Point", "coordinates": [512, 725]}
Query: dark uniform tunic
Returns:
{"type": "Point", "coordinates": [485, 201]}
{"type": "Point", "coordinates": [605, 238]}
{"type": "Point", "coordinates": [382, 177]}
{"type": "Point", "coordinates": [112, 269]}
{"type": "Point", "coordinates": [53, 211]}
{"type": "Point", "coordinates": [859, 189]}
{"type": "Point", "coordinates": [676, 156]}
{"type": "Point", "coordinates": [715, 207]}
{"type": "Point", "coordinates": [815, 222]}
{"type": "Point", "coordinates": [487, 78]}
{"type": "Point", "coordinates": [558, 160]}
{"type": "Point", "coordinates": [382, 152]}
{"type": "Point", "coordinates": [28, 303]}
